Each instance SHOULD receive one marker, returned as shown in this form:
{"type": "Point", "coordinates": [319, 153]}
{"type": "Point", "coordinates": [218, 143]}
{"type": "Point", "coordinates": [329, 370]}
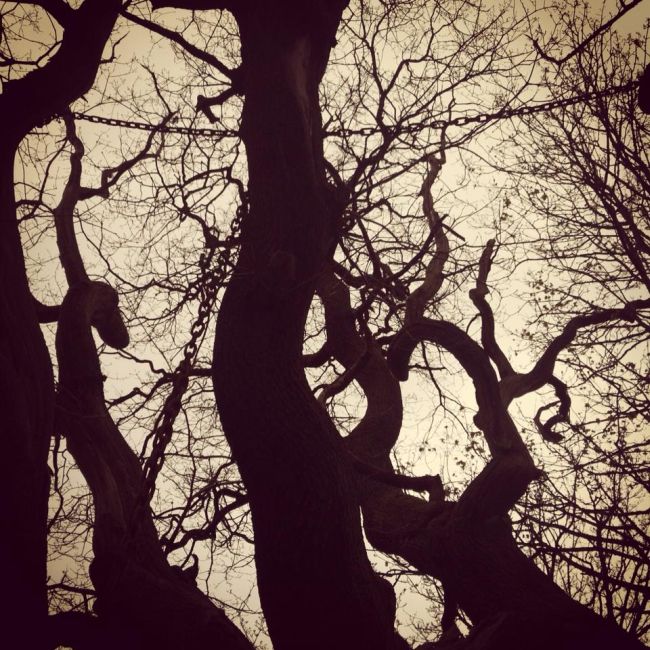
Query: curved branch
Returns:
{"type": "Point", "coordinates": [542, 373]}
{"type": "Point", "coordinates": [35, 98]}
{"type": "Point", "coordinates": [492, 417]}
{"type": "Point", "coordinates": [478, 297]}
{"type": "Point", "coordinates": [71, 261]}
{"type": "Point", "coordinates": [46, 313]}
{"type": "Point", "coordinates": [419, 299]}
{"type": "Point", "coordinates": [394, 522]}
{"type": "Point", "coordinates": [564, 401]}
{"type": "Point", "coordinates": [431, 484]}
{"type": "Point", "coordinates": [378, 431]}
{"type": "Point", "coordinates": [318, 358]}
{"type": "Point", "coordinates": [515, 384]}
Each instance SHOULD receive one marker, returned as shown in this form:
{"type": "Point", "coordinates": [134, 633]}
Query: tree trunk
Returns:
{"type": "Point", "coordinates": [139, 593]}
{"type": "Point", "coordinates": [316, 585]}
{"type": "Point", "coordinates": [27, 407]}
{"type": "Point", "coordinates": [26, 380]}
{"type": "Point", "coordinates": [467, 545]}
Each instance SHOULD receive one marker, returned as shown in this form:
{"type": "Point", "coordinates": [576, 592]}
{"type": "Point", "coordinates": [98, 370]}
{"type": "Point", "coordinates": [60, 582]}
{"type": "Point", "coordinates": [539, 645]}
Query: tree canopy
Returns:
{"type": "Point", "coordinates": [325, 325]}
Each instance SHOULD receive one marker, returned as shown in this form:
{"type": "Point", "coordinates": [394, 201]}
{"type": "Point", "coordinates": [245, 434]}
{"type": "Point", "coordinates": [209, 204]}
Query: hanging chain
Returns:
{"type": "Point", "coordinates": [461, 120]}
{"type": "Point", "coordinates": [146, 126]}
{"type": "Point", "coordinates": [214, 279]}
{"type": "Point", "coordinates": [503, 114]}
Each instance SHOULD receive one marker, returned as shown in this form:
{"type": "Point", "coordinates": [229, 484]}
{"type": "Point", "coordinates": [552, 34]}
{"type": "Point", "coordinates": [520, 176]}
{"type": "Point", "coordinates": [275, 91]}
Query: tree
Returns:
{"type": "Point", "coordinates": [340, 270]}
{"type": "Point", "coordinates": [27, 384]}
{"type": "Point", "coordinates": [583, 168]}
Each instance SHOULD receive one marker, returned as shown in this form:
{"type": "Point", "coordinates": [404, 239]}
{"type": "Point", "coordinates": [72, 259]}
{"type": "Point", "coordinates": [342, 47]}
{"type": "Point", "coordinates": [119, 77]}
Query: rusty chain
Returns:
{"type": "Point", "coordinates": [207, 291]}
{"type": "Point", "coordinates": [502, 114]}
{"type": "Point", "coordinates": [532, 109]}
{"type": "Point", "coordinates": [461, 120]}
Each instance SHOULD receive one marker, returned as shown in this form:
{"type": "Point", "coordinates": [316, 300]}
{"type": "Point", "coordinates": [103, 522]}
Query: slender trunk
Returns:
{"type": "Point", "coordinates": [316, 585]}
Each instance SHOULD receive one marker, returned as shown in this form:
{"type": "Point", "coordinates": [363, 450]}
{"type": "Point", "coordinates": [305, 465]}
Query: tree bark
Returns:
{"type": "Point", "coordinates": [26, 403]}
{"type": "Point", "coordinates": [153, 604]}
{"type": "Point", "coordinates": [316, 585]}
{"type": "Point", "coordinates": [26, 378]}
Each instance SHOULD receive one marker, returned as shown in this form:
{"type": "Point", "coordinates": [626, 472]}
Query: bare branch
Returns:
{"type": "Point", "coordinates": [62, 12]}
{"type": "Point", "coordinates": [64, 212]}
{"type": "Point", "coordinates": [46, 313]}
{"type": "Point", "coordinates": [625, 7]}
{"type": "Point", "coordinates": [431, 484]}
{"type": "Point", "coordinates": [564, 402]}
{"type": "Point", "coordinates": [419, 299]}
{"type": "Point", "coordinates": [195, 51]}
{"type": "Point", "coordinates": [542, 373]}
{"type": "Point", "coordinates": [112, 175]}
{"type": "Point", "coordinates": [478, 297]}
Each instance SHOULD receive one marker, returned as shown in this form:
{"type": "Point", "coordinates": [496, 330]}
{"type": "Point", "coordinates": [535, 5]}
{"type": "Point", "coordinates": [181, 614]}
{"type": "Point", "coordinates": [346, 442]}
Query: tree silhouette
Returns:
{"type": "Point", "coordinates": [393, 202]}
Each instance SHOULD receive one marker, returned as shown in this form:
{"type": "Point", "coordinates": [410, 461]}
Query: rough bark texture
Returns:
{"type": "Point", "coordinates": [316, 585]}
{"type": "Point", "coordinates": [26, 382]}
{"type": "Point", "coordinates": [146, 602]}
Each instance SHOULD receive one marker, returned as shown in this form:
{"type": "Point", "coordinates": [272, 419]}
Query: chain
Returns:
{"type": "Point", "coordinates": [164, 426]}
{"type": "Point", "coordinates": [528, 109]}
{"type": "Point", "coordinates": [146, 126]}
{"type": "Point", "coordinates": [503, 114]}
{"type": "Point", "coordinates": [461, 120]}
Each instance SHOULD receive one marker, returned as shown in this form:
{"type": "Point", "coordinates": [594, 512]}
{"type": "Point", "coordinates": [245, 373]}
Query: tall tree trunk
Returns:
{"type": "Point", "coordinates": [316, 585]}
{"type": "Point", "coordinates": [26, 380]}
{"type": "Point", "coordinates": [26, 404]}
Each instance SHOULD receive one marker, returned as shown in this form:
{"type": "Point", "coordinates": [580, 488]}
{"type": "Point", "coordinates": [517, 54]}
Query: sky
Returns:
{"type": "Point", "coordinates": [138, 46]}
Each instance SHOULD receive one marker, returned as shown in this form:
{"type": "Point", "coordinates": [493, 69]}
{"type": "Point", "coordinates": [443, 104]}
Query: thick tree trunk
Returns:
{"type": "Point", "coordinates": [151, 604]}
{"type": "Point", "coordinates": [26, 404]}
{"type": "Point", "coordinates": [26, 381]}
{"type": "Point", "coordinates": [510, 601]}
{"type": "Point", "coordinates": [316, 585]}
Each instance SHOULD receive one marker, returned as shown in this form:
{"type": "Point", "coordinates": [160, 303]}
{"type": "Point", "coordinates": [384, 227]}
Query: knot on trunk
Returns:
{"type": "Point", "coordinates": [96, 303]}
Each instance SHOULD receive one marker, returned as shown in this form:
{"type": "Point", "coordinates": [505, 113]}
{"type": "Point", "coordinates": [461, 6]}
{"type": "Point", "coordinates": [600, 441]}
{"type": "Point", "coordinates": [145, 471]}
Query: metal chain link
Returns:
{"type": "Point", "coordinates": [503, 114]}
{"type": "Point", "coordinates": [461, 120]}
{"type": "Point", "coordinates": [214, 279]}
{"type": "Point", "coordinates": [146, 126]}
